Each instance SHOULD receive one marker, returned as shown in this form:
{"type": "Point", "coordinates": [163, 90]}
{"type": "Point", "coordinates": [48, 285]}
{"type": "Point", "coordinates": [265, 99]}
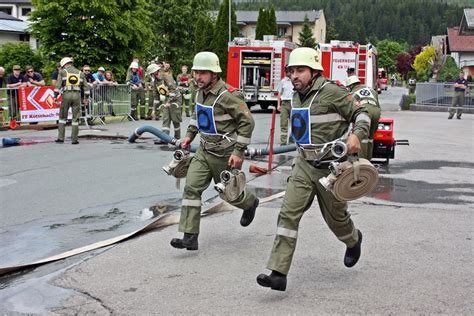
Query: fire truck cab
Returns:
{"type": "Point", "coordinates": [256, 67]}
{"type": "Point", "coordinates": [337, 56]}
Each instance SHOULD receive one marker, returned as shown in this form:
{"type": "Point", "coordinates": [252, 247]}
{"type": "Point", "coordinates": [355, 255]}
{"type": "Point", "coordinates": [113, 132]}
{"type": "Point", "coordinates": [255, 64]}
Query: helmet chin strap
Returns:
{"type": "Point", "coordinates": [313, 79]}
{"type": "Point", "coordinates": [211, 84]}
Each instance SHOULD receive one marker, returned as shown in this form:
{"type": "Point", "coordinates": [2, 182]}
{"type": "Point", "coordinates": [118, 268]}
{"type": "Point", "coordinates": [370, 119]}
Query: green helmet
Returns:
{"type": "Point", "coordinates": [206, 61]}
{"type": "Point", "coordinates": [65, 60]}
{"type": "Point", "coordinates": [352, 80]}
{"type": "Point", "coordinates": [305, 56]}
{"type": "Point", "coordinates": [151, 69]}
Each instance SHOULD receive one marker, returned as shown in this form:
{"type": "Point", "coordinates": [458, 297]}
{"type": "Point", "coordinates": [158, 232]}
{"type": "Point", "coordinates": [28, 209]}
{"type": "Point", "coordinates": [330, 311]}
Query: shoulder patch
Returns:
{"type": "Point", "coordinates": [231, 89]}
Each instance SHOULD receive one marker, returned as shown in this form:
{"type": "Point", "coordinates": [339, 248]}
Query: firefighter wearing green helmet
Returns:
{"type": "Point", "coordinates": [368, 98]}
{"type": "Point", "coordinates": [167, 97]}
{"type": "Point", "coordinates": [69, 84]}
{"type": "Point", "coordinates": [321, 112]}
{"type": "Point", "coordinates": [225, 125]}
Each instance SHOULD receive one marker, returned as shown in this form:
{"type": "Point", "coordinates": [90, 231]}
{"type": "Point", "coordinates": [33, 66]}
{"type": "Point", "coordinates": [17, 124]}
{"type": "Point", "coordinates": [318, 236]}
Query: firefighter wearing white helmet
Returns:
{"type": "Point", "coordinates": [137, 85]}
{"type": "Point", "coordinates": [368, 98]}
{"type": "Point", "coordinates": [321, 113]}
{"type": "Point", "coordinates": [69, 84]}
{"type": "Point", "coordinates": [152, 112]}
{"type": "Point", "coordinates": [225, 125]}
{"type": "Point", "coordinates": [167, 98]}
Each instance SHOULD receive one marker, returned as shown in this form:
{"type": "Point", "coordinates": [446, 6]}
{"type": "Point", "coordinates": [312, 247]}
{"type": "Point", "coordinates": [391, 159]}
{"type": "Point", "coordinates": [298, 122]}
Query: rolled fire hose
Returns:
{"type": "Point", "coordinates": [351, 180]}
{"type": "Point", "coordinates": [250, 152]}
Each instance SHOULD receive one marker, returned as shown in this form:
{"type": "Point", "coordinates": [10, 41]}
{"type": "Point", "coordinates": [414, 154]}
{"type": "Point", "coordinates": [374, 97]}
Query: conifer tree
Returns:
{"type": "Point", "coordinates": [306, 38]}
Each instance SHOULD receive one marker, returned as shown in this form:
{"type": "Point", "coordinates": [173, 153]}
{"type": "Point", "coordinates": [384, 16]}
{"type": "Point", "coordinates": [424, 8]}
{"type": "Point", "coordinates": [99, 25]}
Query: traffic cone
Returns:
{"type": "Point", "coordinates": [253, 168]}
{"type": "Point", "coordinates": [12, 124]}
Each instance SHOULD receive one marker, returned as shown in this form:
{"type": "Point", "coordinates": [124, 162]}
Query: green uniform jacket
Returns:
{"type": "Point", "coordinates": [230, 103]}
{"type": "Point", "coordinates": [331, 112]}
{"type": "Point", "coordinates": [62, 78]}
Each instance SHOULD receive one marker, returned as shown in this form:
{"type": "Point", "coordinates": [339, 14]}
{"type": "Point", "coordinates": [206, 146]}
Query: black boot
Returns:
{"type": "Point", "coordinates": [275, 281]}
{"type": "Point", "coordinates": [249, 214]}
{"type": "Point", "coordinates": [189, 241]}
{"type": "Point", "coordinates": [353, 254]}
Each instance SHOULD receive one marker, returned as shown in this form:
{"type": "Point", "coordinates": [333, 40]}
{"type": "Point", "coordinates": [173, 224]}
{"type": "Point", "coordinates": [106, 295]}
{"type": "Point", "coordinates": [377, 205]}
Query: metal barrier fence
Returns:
{"type": "Point", "coordinates": [9, 105]}
{"type": "Point", "coordinates": [441, 94]}
{"type": "Point", "coordinates": [113, 100]}
{"type": "Point", "coordinates": [110, 100]}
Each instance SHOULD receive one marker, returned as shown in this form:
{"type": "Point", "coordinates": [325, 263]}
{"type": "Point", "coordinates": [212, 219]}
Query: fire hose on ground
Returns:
{"type": "Point", "coordinates": [250, 152]}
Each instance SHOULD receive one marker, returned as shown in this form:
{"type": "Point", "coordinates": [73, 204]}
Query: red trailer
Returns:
{"type": "Point", "coordinates": [256, 67]}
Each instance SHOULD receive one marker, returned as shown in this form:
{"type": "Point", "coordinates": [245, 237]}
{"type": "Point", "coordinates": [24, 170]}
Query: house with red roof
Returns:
{"type": "Point", "coordinates": [461, 42]}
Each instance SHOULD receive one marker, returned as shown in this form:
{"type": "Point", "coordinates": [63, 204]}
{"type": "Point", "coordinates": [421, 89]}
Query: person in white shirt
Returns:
{"type": "Point", "coordinates": [285, 94]}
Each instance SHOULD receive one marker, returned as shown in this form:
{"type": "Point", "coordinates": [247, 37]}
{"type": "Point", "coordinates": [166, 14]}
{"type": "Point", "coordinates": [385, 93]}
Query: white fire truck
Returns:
{"type": "Point", "coordinates": [337, 56]}
{"type": "Point", "coordinates": [256, 67]}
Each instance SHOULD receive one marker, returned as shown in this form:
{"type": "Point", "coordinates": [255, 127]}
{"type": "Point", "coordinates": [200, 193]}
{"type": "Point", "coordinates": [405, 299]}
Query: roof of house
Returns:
{"type": "Point", "coordinates": [460, 43]}
{"type": "Point", "coordinates": [11, 24]}
{"type": "Point", "coordinates": [15, 1]}
{"type": "Point", "coordinates": [469, 14]}
{"type": "Point", "coordinates": [281, 16]}
{"type": "Point", "coordinates": [4, 16]}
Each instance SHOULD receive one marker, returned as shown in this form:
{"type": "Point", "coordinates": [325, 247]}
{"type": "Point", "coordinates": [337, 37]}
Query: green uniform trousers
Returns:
{"type": "Point", "coordinates": [172, 114]}
{"type": "Point", "coordinates": [367, 145]}
{"type": "Point", "coordinates": [303, 186]}
{"type": "Point", "coordinates": [458, 101]}
{"type": "Point", "coordinates": [138, 96]}
{"type": "Point", "coordinates": [187, 104]}
{"type": "Point", "coordinates": [69, 99]}
{"type": "Point", "coordinates": [284, 121]}
{"type": "Point", "coordinates": [203, 168]}
{"type": "Point", "coordinates": [149, 104]}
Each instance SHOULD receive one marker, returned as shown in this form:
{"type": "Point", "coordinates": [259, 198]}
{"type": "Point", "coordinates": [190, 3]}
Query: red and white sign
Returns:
{"type": "Point", "coordinates": [37, 104]}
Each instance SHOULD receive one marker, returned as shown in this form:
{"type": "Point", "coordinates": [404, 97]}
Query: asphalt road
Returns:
{"type": "Point", "coordinates": [417, 251]}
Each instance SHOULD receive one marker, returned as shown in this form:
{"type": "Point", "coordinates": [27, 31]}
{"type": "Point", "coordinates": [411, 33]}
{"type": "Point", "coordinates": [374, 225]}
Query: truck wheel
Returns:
{"type": "Point", "coordinates": [264, 106]}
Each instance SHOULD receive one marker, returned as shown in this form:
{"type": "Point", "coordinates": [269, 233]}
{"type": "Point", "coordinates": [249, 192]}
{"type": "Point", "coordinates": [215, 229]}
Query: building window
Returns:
{"type": "Point", "coordinates": [25, 11]}
{"type": "Point", "coordinates": [6, 10]}
{"type": "Point", "coordinates": [282, 31]}
{"type": "Point", "coordinates": [25, 37]}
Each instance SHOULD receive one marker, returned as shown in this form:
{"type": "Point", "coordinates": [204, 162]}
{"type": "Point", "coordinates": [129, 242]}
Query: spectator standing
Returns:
{"type": "Point", "coordinates": [99, 76]}
{"type": "Point", "coordinates": [108, 90]}
{"type": "Point", "coordinates": [14, 81]}
{"type": "Point", "coordinates": [2, 77]}
{"type": "Point", "coordinates": [32, 78]}
{"type": "Point", "coordinates": [91, 82]}
{"type": "Point", "coordinates": [285, 94]}
{"type": "Point", "coordinates": [184, 80]}
{"type": "Point", "coordinates": [350, 72]}
{"type": "Point", "coordinates": [54, 75]}
{"type": "Point", "coordinates": [460, 87]}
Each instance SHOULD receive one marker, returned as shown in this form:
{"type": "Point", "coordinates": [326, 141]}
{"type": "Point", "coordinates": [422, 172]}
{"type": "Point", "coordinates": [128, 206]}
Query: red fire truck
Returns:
{"type": "Point", "coordinates": [337, 56]}
{"type": "Point", "coordinates": [256, 67]}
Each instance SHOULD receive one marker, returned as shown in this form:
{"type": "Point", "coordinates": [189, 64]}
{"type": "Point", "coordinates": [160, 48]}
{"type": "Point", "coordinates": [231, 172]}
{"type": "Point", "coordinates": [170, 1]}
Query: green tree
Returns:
{"type": "Point", "coordinates": [450, 71]}
{"type": "Point", "coordinates": [203, 32]}
{"type": "Point", "coordinates": [261, 24]}
{"type": "Point", "coordinates": [387, 53]}
{"type": "Point", "coordinates": [94, 32]}
{"type": "Point", "coordinates": [221, 34]}
{"type": "Point", "coordinates": [19, 54]}
{"type": "Point", "coordinates": [174, 25]}
{"type": "Point", "coordinates": [422, 64]}
{"type": "Point", "coordinates": [306, 38]}
{"type": "Point", "coordinates": [272, 26]}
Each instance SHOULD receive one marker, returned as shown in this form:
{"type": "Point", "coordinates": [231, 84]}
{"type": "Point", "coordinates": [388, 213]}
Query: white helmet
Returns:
{"type": "Point", "coordinates": [65, 60]}
{"type": "Point", "coordinates": [352, 80]}
{"type": "Point", "coordinates": [134, 64]}
{"type": "Point", "coordinates": [151, 69]}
